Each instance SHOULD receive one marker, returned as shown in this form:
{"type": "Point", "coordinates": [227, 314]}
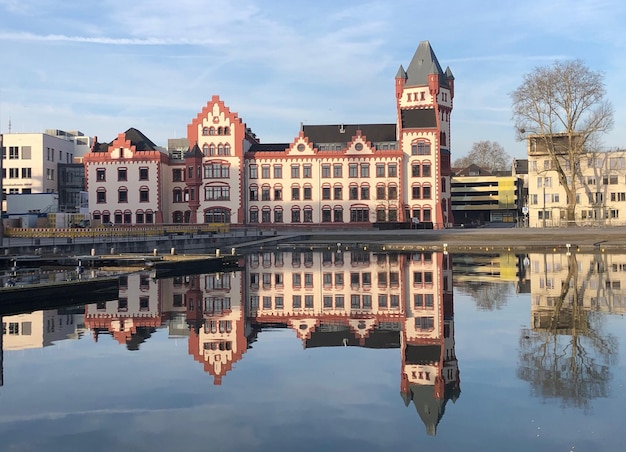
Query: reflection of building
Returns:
{"type": "Point", "coordinates": [591, 282]}
{"type": "Point", "coordinates": [133, 317]}
{"type": "Point", "coordinates": [216, 316]}
{"type": "Point", "coordinates": [38, 329]}
{"type": "Point", "coordinates": [358, 298]}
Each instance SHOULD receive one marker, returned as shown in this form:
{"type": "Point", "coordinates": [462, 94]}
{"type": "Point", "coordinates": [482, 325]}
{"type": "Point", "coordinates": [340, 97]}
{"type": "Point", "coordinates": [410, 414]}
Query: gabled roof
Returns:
{"type": "Point", "coordinates": [423, 64]}
{"type": "Point", "coordinates": [136, 138]}
{"type": "Point", "coordinates": [343, 133]}
{"type": "Point", "coordinates": [139, 140]}
{"type": "Point", "coordinates": [472, 170]}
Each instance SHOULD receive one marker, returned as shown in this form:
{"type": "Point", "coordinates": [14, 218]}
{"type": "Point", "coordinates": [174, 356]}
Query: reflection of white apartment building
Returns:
{"type": "Point", "coordinates": [591, 282]}
{"type": "Point", "coordinates": [38, 329]}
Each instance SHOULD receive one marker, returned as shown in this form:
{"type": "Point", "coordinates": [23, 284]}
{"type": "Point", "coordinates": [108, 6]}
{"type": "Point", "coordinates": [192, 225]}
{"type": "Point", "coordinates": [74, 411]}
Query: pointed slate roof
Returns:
{"type": "Point", "coordinates": [423, 64]}
{"type": "Point", "coordinates": [194, 152]}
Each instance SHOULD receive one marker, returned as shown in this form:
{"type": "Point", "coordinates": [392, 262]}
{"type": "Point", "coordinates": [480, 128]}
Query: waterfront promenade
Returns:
{"type": "Point", "coordinates": [584, 239]}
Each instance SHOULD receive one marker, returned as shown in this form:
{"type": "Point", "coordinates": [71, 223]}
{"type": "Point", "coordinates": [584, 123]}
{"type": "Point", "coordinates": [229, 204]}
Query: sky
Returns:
{"type": "Point", "coordinates": [103, 67]}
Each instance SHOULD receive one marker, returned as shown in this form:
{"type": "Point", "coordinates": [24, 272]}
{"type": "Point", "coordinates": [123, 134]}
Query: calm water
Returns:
{"type": "Point", "coordinates": [330, 351]}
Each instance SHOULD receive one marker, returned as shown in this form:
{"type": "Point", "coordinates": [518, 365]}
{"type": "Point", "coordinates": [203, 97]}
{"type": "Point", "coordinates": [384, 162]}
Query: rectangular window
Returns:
{"type": "Point", "coordinates": [338, 193]}
{"type": "Point", "coordinates": [265, 171]}
{"type": "Point", "coordinates": [337, 170]}
{"type": "Point", "coordinates": [308, 301]}
{"type": "Point", "coordinates": [326, 171]}
{"type": "Point", "coordinates": [278, 172]}
{"type": "Point", "coordinates": [101, 174]}
{"type": "Point", "coordinates": [14, 152]}
{"type": "Point", "coordinates": [365, 192]}
{"type": "Point", "coordinates": [392, 170]}
{"type": "Point", "coordinates": [297, 301]}
{"type": "Point", "coordinates": [27, 173]}
{"type": "Point", "coordinates": [295, 171]}
{"type": "Point", "coordinates": [254, 172]}
{"type": "Point", "coordinates": [307, 193]}
{"type": "Point", "coordinates": [121, 174]}
{"type": "Point", "coordinates": [353, 193]}
{"type": "Point", "coordinates": [353, 170]}
{"type": "Point", "coordinates": [426, 170]}
{"type": "Point", "coordinates": [365, 170]}
{"type": "Point", "coordinates": [307, 172]}
{"type": "Point", "coordinates": [380, 192]}
{"type": "Point", "coordinates": [326, 193]}
{"type": "Point", "coordinates": [295, 193]}
{"type": "Point", "coordinates": [26, 152]}
{"type": "Point", "coordinates": [143, 173]}
{"type": "Point", "coordinates": [380, 170]}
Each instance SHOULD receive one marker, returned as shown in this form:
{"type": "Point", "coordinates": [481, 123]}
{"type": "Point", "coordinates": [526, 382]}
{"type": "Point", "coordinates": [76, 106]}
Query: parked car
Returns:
{"type": "Point", "coordinates": [82, 224]}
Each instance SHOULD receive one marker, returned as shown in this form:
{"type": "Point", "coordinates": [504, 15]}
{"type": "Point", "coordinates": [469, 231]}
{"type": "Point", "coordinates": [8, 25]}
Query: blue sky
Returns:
{"type": "Point", "coordinates": [102, 67]}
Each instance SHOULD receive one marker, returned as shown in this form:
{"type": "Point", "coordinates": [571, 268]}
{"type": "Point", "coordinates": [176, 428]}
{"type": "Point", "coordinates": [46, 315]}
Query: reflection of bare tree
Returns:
{"type": "Point", "coordinates": [565, 355]}
{"type": "Point", "coordinates": [487, 296]}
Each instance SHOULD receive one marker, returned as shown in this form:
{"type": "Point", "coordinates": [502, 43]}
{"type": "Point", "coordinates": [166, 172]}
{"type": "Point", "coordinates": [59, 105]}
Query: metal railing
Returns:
{"type": "Point", "coordinates": [117, 231]}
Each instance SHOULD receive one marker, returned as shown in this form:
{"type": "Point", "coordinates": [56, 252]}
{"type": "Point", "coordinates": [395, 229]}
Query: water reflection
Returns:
{"type": "Point", "coordinates": [368, 300]}
{"type": "Point", "coordinates": [566, 354]}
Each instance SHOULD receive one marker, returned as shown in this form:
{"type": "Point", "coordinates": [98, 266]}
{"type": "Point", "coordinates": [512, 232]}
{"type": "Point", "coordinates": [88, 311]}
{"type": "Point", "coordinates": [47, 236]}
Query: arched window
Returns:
{"type": "Point", "coordinates": [212, 149]}
{"type": "Point", "coordinates": [220, 149]}
{"type": "Point", "coordinates": [227, 149]}
{"type": "Point", "coordinates": [122, 195]}
{"type": "Point", "coordinates": [217, 191]}
{"type": "Point", "coordinates": [205, 149]}
{"type": "Point", "coordinates": [212, 131]}
{"type": "Point", "coordinates": [101, 195]}
{"type": "Point", "coordinates": [217, 215]}
{"type": "Point", "coordinates": [118, 217]}
{"type": "Point", "coordinates": [295, 214]}
{"type": "Point", "coordinates": [139, 216]}
{"type": "Point", "coordinates": [149, 216]}
{"type": "Point", "coordinates": [420, 147]}
{"type": "Point", "coordinates": [177, 195]}
{"type": "Point", "coordinates": [205, 131]}
{"type": "Point", "coordinates": [254, 214]}
{"type": "Point", "coordinates": [337, 214]}
{"type": "Point", "coordinates": [266, 215]}
{"type": "Point", "coordinates": [144, 194]}
{"type": "Point", "coordinates": [278, 214]}
{"type": "Point", "coordinates": [219, 130]}
{"type": "Point", "coordinates": [326, 214]}
{"type": "Point", "coordinates": [177, 216]}
{"type": "Point", "coordinates": [226, 131]}
{"type": "Point", "coordinates": [128, 217]}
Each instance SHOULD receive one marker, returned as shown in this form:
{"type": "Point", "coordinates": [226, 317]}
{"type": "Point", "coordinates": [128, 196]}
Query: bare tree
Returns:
{"type": "Point", "coordinates": [563, 110]}
{"type": "Point", "coordinates": [486, 154]}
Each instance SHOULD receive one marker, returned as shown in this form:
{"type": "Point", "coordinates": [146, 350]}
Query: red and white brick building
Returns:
{"type": "Point", "coordinates": [327, 174]}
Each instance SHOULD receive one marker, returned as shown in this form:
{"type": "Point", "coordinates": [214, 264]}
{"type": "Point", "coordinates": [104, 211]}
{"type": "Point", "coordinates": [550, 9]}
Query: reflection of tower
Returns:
{"type": "Point", "coordinates": [215, 312]}
{"type": "Point", "coordinates": [430, 375]}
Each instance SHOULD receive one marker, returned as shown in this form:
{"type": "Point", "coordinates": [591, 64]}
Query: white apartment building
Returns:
{"type": "Point", "coordinates": [30, 161]}
{"type": "Point", "coordinates": [600, 194]}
